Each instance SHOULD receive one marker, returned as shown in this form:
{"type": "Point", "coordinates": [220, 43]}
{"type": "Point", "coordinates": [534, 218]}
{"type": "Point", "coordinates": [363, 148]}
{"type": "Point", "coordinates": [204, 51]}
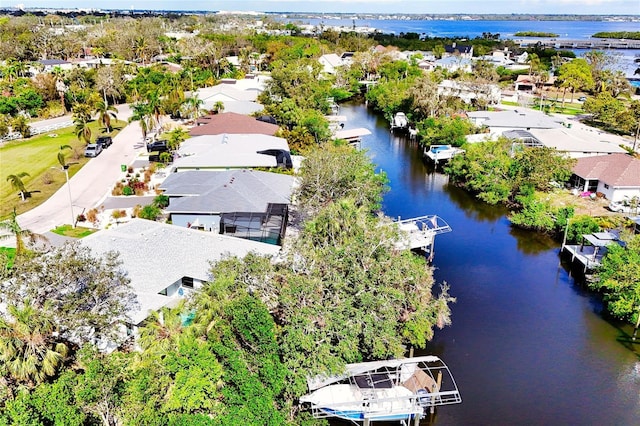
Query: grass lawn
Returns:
{"type": "Point", "coordinates": [36, 156]}
{"type": "Point", "coordinates": [77, 232]}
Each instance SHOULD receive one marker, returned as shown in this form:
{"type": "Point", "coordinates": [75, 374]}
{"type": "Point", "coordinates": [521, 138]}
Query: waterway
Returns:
{"type": "Point", "coordinates": [527, 345]}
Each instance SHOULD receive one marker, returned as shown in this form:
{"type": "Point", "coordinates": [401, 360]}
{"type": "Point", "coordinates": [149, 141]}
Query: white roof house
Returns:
{"type": "Point", "coordinates": [228, 151]}
{"type": "Point", "coordinates": [158, 257]}
{"type": "Point", "coordinates": [330, 62]}
{"type": "Point", "coordinates": [525, 119]}
{"type": "Point", "coordinates": [455, 63]}
{"type": "Point", "coordinates": [574, 143]}
{"type": "Point", "coordinates": [469, 92]}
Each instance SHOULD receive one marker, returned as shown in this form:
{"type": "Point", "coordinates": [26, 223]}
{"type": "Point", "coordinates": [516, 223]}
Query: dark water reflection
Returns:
{"type": "Point", "coordinates": [528, 346]}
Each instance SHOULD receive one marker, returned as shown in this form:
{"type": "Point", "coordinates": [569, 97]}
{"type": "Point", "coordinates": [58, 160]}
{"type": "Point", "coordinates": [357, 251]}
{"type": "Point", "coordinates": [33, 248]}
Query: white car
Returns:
{"type": "Point", "coordinates": [93, 150]}
{"type": "Point", "coordinates": [620, 207]}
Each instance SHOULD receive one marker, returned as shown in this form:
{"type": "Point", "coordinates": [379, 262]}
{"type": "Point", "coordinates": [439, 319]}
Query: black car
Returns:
{"type": "Point", "coordinates": [157, 146]}
{"type": "Point", "coordinates": [105, 141]}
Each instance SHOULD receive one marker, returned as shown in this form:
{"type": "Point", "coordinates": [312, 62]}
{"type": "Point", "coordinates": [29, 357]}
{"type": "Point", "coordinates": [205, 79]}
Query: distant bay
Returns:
{"type": "Point", "coordinates": [472, 29]}
{"type": "Point", "coordinates": [578, 30]}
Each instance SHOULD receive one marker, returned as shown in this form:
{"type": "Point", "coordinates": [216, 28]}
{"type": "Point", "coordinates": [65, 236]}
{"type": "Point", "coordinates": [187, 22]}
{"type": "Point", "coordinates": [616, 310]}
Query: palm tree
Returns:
{"type": "Point", "coordinates": [140, 112]}
{"type": "Point", "coordinates": [81, 118]}
{"type": "Point", "coordinates": [14, 230]}
{"type": "Point", "coordinates": [193, 105]}
{"type": "Point", "coordinates": [61, 158]}
{"type": "Point", "coordinates": [105, 113]}
{"type": "Point", "coordinates": [162, 331]}
{"type": "Point", "coordinates": [17, 183]}
{"type": "Point", "coordinates": [218, 107]}
{"type": "Point", "coordinates": [28, 348]}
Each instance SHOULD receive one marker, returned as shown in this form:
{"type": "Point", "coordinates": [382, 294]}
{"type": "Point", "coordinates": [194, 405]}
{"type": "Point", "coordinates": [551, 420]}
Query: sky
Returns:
{"type": "Point", "coordinates": [586, 7]}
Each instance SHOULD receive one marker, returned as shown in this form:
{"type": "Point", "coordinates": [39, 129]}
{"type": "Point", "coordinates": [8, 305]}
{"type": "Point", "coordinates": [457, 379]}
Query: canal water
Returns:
{"type": "Point", "coordinates": [527, 344]}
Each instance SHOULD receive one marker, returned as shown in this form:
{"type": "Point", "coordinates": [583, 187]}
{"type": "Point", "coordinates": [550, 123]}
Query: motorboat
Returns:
{"type": "Point", "coordinates": [398, 389]}
{"type": "Point", "coordinates": [399, 121]}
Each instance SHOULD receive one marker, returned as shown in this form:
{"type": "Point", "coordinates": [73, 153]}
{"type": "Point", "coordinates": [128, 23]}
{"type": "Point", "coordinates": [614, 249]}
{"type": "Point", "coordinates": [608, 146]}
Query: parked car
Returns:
{"type": "Point", "coordinates": [620, 207]}
{"type": "Point", "coordinates": [582, 98]}
{"type": "Point", "coordinates": [105, 141]}
{"type": "Point", "coordinates": [93, 150]}
{"type": "Point", "coordinates": [157, 146]}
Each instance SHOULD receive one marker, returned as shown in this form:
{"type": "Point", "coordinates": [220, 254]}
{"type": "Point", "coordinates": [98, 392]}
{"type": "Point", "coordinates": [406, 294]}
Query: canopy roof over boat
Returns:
{"type": "Point", "coordinates": [351, 370]}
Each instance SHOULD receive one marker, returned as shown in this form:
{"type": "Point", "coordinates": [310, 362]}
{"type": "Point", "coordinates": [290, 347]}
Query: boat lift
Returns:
{"type": "Point", "coordinates": [420, 233]}
{"type": "Point", "coordinates": [402, 390]}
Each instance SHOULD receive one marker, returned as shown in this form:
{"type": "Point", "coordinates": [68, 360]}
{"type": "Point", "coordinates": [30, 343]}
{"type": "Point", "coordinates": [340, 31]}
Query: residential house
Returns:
{"type": "Point", "coordinates": [239, 96]}
{"type": "Point", "coordinates": [454, 49]}
{"type": "Point", "coordinates": [232, 123]}
{"type": "Point", "coordinates": [576, 143]}
{"type": "Point", "coordinates": [165, 263]}
{"type": "Point", "coordinates": [231, 151]}
{"type": "Point", "coordinates": [498, 122]}
{"type": "Point", "coordinates": [330, 63]}
{"type": "Point", "coordinates": [455, 64]}
{"type": "Point", "coordinates": [243, 203]}
{"type": "Point", "coordinates": [470, 92]}
{"type": "Point", "coordinates": [50, 64]}
{"type": "Point", "coordinates": [616, 176]}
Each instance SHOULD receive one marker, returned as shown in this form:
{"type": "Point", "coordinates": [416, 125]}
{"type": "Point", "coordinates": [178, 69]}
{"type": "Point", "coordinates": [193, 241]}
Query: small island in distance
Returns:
{"type": "Point", "coordinates": [534, 34]}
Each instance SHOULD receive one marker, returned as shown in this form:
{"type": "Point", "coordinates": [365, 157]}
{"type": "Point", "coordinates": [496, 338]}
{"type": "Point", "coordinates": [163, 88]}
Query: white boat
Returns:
{"type": "Point", "coordinates": [437, 153]}
{"type": "Point", "coordinates": [399, 389]}
{"type": "Point", "coordinates": [399, 121]}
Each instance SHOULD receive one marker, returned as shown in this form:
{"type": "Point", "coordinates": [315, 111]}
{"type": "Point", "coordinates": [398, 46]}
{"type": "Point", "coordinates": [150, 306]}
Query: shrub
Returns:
{"type": "Point", "coordinates": [92, 216]}
{"type": "Point", "coordinates": [81, 218]}
{"type": "Point", "coordinates": [127, 190]}
{"type": "Point", "coordinates": [118, 214]}
{"type": "Point", "coordinates": [149, 212]}
{"type": "Point", "coordinates": [161, 201]}
{"type": "Point", "coordinates": [130, 169]}
{"type": "Point", "coordinates": [47, 178]}
{"type": "Point", "coordinates": [117, 190]}
{"type": "Point", "coordinates": [136, 211]}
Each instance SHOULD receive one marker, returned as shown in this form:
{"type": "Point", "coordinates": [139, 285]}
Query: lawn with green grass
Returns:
{"type": "Point", "coordinates": [69, 231]}
{"type": "Point", "coordinates": [36, 156]}
{"type": "Point", "coordinates": [10, 254]}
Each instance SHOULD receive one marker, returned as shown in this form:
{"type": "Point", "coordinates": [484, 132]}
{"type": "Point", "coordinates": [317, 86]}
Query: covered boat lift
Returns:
{"type": "Point", "coordinates": [392, 390]}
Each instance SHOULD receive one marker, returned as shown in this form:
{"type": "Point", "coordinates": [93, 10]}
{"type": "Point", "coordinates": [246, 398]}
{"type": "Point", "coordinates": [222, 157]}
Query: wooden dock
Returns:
{"type": "Point", "coordinates": [590, 253]}
{"type": "Point", "coordinates": [420, 233]}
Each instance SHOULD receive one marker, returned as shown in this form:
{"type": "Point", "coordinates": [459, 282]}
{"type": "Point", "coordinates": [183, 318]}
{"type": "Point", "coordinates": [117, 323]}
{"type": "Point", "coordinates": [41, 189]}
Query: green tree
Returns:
{"type": "Point", "coordinates": [17, 183]}
{"type": "Point", "coordinates": [619, 280]}
{"type": "Point", "coordinates": [575, 75]}
{"type": "Point", "coordinates": [106, 113]}
{"type": "Point", "coordinates": [86, 296]}
{"type": "Point", "coordinates": [81, 119]}
{"type": "Point", "coordinates": [21, 125]}
{"type": "Point", "coordinates": [29, 349]}
{"type": "Point", "coordinates": [14, 230]}
{"type": "Point", "coordinates": [336, 172]}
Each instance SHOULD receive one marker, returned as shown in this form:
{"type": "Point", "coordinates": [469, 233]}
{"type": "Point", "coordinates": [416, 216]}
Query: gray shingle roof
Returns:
{"type": "Point", "coordinates": [156, 255]}
{"type": "Point", "coordinates": [226, 191]}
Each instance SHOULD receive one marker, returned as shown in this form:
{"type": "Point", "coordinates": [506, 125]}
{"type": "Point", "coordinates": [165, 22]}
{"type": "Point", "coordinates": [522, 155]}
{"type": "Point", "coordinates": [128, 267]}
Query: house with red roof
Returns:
{"type": "Point", "coordinates": [616, 176]}
{"type": "Point", "coordinates": [231, 123]}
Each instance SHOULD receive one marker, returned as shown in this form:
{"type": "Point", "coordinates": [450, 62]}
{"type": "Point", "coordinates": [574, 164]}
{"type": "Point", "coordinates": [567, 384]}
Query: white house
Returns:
{"type": "Point", "coordinates": [231, 151]}
{"type": "Point", "coordinates": [331, 62]}
{"type": "Point", "coordinates": [616, 176]}
{"type": "Point", "coordinates": [499, 122]}
{"type": "Point", "coordinates": [165, 262]}
{"type": "Point", "coordinates": [455, 63]}
{"type": "Point", "coordinates": [469, 92]}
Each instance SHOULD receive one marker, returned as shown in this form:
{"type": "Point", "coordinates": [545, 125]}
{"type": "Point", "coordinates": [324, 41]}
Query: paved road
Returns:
{"type": "Point", "coordinates": [91, 184]}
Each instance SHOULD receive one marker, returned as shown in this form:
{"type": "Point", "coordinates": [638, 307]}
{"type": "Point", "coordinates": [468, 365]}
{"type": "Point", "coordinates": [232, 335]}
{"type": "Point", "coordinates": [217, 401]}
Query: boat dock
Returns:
{"type": "Point", "coordinates": [420, 233]}
{"type": "Point", "coordinates": [593, 248]}
{"type": "Point", "coordinates": [437, 153]}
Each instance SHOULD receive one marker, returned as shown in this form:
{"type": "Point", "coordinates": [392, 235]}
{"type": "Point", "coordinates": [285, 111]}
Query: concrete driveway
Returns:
{"type": "Point", "coordinates": [91, 184]}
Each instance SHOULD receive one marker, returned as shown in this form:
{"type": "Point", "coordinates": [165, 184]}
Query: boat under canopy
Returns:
{"type": "Point", "coordinates": [399, 389]}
